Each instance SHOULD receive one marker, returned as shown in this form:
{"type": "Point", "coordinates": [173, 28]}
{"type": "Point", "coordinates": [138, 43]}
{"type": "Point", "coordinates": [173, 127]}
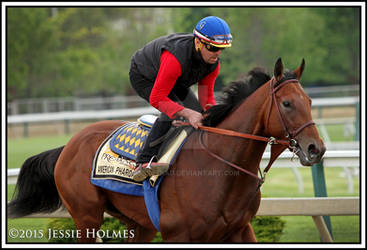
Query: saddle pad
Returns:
{"type": "Point", "coordinates": [128, 140]}
{"type": "Point", "coordinates": [113, 164]}
{"type": "Point", "coordinates": [113, 172]}
{"type": "Point", "coordinates": [107, 165]}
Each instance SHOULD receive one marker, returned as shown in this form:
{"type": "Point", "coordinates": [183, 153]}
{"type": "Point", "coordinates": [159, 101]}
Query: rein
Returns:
{"type": "Point", "coordinates": [290, 143]}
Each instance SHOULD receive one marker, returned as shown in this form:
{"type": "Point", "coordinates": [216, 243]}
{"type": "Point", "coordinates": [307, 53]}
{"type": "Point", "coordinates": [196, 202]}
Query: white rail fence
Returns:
{"type": "Point", "coordinates": [350, 123]}
{"type": "Point", "coordinates": [60, 104]}
{"type": "Point", "coordinates": [135, 112]}
{"type": "Point", "coordinates": [345, 159]}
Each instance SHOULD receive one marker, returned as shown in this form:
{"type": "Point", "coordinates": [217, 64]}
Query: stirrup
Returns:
{"type": "Point", "coordinates": [155, 168]}
{"type": "Point", "coordinates": [158, 168]}
{"type": "Point", "coordinates": [139, 174]}
{"type": "Point", "coordinates": [143, 171]}
{"type": "Point", "coordinates": [149, 169]}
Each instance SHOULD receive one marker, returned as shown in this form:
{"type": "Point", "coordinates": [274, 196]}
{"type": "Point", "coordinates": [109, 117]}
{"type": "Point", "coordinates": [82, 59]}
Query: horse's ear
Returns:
{"type": "Point", "coordinates": [278, 69]}
{"type": "Point", "coordinates": [298, 72]}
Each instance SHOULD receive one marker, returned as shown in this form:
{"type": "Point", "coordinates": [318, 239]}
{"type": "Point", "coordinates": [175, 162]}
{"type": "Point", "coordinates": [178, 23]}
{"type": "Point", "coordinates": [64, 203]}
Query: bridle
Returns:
{"type": "Point", "coordinates": [290, 141]}
{"type": "Point", "coordinates": [289, 134]}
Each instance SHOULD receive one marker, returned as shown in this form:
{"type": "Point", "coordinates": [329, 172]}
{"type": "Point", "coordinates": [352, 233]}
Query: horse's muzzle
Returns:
{"type": "Point", "coordinates": [311, 154]}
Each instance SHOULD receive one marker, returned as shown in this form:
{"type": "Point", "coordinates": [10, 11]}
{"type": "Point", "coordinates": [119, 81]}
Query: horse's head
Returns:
{"type": "Point", "coordinates": [290, 116]}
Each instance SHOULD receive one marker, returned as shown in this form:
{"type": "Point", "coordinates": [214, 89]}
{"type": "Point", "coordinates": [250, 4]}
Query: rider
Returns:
{"type": "Point", "coordinates": [162, 73]}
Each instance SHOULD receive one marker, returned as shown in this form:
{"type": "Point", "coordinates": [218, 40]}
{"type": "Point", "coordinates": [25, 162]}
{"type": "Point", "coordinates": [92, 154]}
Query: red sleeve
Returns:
{"type": "Point", "coordinates": [206, 88]}
{"type": "Point", "coordinates": [169, 71]}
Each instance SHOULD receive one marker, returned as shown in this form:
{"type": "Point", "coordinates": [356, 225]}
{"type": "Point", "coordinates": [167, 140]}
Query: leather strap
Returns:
{"type": "Point", "coordinates": [276, 150]}
{"type": "Point", "coordinates": [221, 131]}
{"type": "Point", "coordinates": [225, 161]}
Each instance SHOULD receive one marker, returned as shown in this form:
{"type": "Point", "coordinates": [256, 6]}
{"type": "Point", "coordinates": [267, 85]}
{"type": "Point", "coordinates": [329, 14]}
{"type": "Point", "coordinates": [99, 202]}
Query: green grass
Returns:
{"type": "Point", "coordinates": [336, 133]}
{"type": "Point", "coordinates": [301, 229]}
{"type": "Point", "coordinates": [18, 150]}
{"type": "Point", "coordinates": [30, 230]}
{"type": "Point", "coordinates": [280, 182]}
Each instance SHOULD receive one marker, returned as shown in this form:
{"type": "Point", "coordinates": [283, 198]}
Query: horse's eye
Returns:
{"type": "Point", "coordinates": [286, 104]}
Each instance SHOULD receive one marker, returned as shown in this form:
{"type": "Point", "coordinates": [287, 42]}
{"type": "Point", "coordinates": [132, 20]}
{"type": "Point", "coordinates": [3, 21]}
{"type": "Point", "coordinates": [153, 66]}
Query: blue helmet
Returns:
{"type": "Point", "coordinates": [215, 31]}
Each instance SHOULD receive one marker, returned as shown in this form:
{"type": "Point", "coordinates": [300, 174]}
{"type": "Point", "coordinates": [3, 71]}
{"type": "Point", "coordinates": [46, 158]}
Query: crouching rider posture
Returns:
{"type": "Point", "coordinates": [162, 73]}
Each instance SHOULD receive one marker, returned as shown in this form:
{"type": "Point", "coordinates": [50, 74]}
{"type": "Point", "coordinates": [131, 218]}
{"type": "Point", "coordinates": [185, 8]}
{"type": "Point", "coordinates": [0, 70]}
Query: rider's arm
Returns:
{"type": "Point", "coordinates": [206, 88]}
{"type": "Point", "coordinates": [169, 71]}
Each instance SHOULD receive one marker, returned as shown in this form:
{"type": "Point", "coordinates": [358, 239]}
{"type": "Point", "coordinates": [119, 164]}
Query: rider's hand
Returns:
{"type": "Point", "coordinates": [208, 106]}
{"type": "Point", "coordinates": [192, 116]}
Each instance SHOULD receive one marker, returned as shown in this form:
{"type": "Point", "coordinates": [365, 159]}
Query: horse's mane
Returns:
{"type": "Point", "coordinates": [236, 92]}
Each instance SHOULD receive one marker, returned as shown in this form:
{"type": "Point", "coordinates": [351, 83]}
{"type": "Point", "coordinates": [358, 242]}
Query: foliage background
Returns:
{"type": "Point", "coordinates": [55, 52]}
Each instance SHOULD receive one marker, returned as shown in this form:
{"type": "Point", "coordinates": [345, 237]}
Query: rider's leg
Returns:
{"type": "Point", "coordinates": [182, 95]}
{"type": "Point", "coordinates": [161, 126]}
{"type": "Point", "coordinates": [146, 156]}
{"type": "Point", "coordinates": [159, 129]}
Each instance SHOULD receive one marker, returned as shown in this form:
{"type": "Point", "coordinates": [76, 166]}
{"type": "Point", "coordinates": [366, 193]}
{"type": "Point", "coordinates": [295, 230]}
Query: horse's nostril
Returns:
{"type": "Point", "coordinates": [312, 150]}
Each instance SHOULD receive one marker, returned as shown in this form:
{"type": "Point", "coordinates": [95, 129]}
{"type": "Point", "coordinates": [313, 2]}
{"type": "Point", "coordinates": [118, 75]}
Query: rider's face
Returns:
{"type": "Point", "coordinates": [208, 56]}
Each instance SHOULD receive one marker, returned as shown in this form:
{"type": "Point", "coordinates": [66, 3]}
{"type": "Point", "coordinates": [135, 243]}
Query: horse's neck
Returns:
{"type": "Point", "coordinates": [249, 118]}
{"type": "Point", "coordinates": [231, 190]}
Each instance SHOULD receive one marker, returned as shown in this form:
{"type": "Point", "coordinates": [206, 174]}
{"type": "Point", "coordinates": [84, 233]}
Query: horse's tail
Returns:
{"type": "Point", "coordinates": [36, 190]}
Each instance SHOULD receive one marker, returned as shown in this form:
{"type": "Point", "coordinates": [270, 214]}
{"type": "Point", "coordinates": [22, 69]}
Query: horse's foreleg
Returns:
{"type": "Point", "coordinates": [88, 227]}
{"type": "Point", "coordinates": [245, 234]}
{"type": "Point", "coordinates": [135, 233]}
{"type": "Point", "coordinates": [139, 234]}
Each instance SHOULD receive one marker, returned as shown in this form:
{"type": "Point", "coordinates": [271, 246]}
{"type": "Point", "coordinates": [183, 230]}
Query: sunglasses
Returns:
{"type": "Point", "coordinates": [211, 48]}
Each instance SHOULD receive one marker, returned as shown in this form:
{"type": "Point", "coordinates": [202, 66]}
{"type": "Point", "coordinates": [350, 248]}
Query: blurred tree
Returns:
{"type": "Point", "coordinates": [76, 51]}
{"type": "Point", "coordinates": [341, 40]}
{"type": "Point", "coordinates": [87, 51]}
{"type": "Point", "coordinates": [30, 37]}
{"type": "Point", "coordinates": [328, 39]}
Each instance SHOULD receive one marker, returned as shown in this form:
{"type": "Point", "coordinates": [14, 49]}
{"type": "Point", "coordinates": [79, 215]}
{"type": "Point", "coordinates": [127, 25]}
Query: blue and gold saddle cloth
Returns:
{"type": "Point", "coordinates": [114, 163]}
{"type": "Point", "coordinates": [128, 140]}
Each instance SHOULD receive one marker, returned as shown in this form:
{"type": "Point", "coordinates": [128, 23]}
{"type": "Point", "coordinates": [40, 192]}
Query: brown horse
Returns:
{"type": "Point", "coordinates": [202, 199]}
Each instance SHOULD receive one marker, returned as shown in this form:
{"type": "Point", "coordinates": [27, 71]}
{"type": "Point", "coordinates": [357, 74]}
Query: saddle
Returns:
{"type": "Point", "coordinates": [114, 161]}
{"type": "Point", "coordinates": [115, 158]}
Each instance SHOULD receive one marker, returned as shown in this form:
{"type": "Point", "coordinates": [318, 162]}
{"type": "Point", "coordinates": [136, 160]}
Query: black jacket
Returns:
{"type": "Point", "coordinates": [181, 45]}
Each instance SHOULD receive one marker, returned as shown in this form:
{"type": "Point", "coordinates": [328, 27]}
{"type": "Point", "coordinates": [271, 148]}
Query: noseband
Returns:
{"type": "Point", "coordinates": [290, 142]}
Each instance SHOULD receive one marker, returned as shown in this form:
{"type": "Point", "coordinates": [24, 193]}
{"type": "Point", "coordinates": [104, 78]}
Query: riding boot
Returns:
{"type": "Point", "coordinates": [147, 156]}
